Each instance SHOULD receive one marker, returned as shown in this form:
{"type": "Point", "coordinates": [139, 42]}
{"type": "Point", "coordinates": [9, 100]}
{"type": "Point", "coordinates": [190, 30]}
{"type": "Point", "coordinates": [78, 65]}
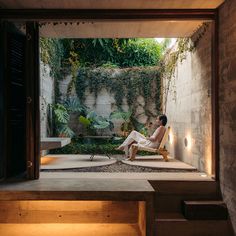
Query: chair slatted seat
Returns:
{"type": "Point", "coordinates": [160, 150]}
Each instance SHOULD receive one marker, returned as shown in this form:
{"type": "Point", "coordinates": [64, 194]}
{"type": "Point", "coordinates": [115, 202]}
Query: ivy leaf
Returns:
{"type": "Point", "coordinates": [91, 115]}
{"type": "Point", "coordinates": [121, 115]}
{"type": "Point", "coordinates": [61, 113]}
{"type": "Point", "coordinates": [65, 130]}
{"type": "Point", "coordinates": [101, 42]}
{"type": "Point", "coordinates": [83, 120]}
{"type": "Point", "coordinates": [73, 105]}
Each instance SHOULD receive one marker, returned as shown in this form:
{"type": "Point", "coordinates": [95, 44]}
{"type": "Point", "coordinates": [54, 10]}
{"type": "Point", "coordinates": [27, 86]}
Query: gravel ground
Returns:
{"type": "Point", "coordinates": [119, 167]}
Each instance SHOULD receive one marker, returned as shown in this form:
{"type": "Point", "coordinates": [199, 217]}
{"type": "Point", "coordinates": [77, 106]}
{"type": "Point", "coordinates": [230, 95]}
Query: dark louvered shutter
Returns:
{"type": "Point", "coordinates": [16, 158]}
{"type": "Point", "coordinates": [19, 101]}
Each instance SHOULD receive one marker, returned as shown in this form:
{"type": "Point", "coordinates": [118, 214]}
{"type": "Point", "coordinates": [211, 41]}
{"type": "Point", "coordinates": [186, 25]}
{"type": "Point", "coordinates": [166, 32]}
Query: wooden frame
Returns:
{"type": "Point", "coordinates": [32, 100]}
{"type": "Point", "coordinates": [215, 97]}
{"type": "Point", "coordinates": [86, 14]}
{"type": "Point", "coordinates": [3, 91]}
{"type": "Point", "coordinates": [145, 14]}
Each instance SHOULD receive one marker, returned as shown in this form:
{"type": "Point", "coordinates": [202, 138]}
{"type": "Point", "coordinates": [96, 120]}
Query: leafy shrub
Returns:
{"type": "Point", "coordinates": [82, 146]}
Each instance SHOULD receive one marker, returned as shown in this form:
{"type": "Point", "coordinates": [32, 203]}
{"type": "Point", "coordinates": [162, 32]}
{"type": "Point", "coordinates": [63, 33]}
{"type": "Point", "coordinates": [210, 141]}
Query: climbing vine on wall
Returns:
{"type": "Point", "coordinates": [176, 55]}
{"type": "Point", "coordinates": [51, 53]}
{"type": "Point", "coordinates": [169, 66]}
{"type": "Point", "coordinates": [126, 83]}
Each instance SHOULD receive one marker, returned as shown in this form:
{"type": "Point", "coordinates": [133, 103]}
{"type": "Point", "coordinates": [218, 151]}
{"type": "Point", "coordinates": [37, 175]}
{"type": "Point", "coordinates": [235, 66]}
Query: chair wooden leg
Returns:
{"type": "Point", "coordinates": [164, 154]}
{"type": "Point", "coordinates": [165, 157]}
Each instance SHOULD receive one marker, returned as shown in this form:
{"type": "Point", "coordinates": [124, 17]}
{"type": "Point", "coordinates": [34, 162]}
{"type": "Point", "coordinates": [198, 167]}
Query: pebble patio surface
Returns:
{"type": "Point", "coordinates": [118, 166]}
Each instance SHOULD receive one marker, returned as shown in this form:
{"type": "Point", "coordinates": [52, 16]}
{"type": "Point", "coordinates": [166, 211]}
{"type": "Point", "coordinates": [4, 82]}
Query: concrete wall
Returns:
{"type": "Point", "coordinates": [47, 95]}
{"type": "Point", "coordinates": [188, 106]}
{"type": "Point", "coordinates": [227, 100]}
{"type": "Point", "coordinates": [227, 16]}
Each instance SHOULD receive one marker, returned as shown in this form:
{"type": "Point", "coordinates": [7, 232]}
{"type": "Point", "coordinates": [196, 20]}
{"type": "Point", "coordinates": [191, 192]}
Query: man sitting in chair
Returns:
{"type": "Point", "coordinates": [140, 140]}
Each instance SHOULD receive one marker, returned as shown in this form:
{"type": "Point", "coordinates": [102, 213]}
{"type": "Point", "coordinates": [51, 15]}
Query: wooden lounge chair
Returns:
{"type": "Point", "coordinates": [160, 150]}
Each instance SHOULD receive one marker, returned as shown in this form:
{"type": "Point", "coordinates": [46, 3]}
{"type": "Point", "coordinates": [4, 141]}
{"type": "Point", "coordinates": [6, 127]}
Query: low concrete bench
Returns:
{"type": "Point", "coordinates": [52, 143]}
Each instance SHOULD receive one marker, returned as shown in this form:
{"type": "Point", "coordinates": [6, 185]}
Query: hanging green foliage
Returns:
{"type": "Point", "coordinates": [52, 53]}
{"type": "Point", "coordinates": [120, 52]}
{"type": "Point", "coordinates": [64, 56]}
{"type": "Point", "coordinates": [178, 54]}
{"type": "Point", "coordinates": [126, 84]}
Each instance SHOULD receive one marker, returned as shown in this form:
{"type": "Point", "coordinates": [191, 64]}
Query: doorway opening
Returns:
{"type": "Point", "coordinates": [81, 89]}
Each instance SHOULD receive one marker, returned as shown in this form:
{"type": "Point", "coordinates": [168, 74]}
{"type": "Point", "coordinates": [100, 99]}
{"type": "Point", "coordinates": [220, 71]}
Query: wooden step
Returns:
{"type": "Point", "coordinates": [69, 229]}
{"type": "Point", "coordinates": [170, 215]}
{"type": "Point", "coordinates": [173, 203]}
{"type": "Point", "coordinates": [186, 187]}
{"type": "Point", "coordinates": [39, 202]}
{"type": "Point", "coordinates": [183, 227]}
{"type": "Point", "coordinates": [169, 195]}
{"type": "Point", "coordinates": [130, 216]}
{"type": "Point", "coordinates": [33, 212]}
{"type": "Point", "coordinates": [205, 210]}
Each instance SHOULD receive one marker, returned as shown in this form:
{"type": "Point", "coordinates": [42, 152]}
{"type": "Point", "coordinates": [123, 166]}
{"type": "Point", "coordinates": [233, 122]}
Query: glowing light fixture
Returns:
{"type": "Point", "coordinates": [203, 175]}
{"type": "Point", "coordinates": [171, 137]}
{"type": "Point", "coordinates": [188, 142]}
{"type": "Point", "coordinates": [46, 160]}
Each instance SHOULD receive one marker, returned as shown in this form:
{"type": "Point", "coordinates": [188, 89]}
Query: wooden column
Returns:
{"type": "Point", "coordinates": [215, 97]}
{"type": "Point", "coordinates": [32, 100]}
{"type": "Point", "coordinates": [2, 102]}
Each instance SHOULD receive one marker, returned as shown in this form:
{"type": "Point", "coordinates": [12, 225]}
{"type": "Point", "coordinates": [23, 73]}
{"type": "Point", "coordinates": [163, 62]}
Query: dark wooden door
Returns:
{"type": "Point", "coordinates": [16, 106]}
{"type": "Point", "coordinates": [13, 97]}
{"type": "Point", "coordinates": [19, 101]}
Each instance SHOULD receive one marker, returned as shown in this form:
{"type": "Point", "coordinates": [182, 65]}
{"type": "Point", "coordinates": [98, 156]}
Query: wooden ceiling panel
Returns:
{"type": "Point", "coordinates": [110, 4]}
{"type": "Point", "coordinates": [120, 29]}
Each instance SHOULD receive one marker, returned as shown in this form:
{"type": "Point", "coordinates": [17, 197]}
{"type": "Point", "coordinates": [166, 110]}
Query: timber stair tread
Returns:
{"type": "Point", "coordinates": [70, 229]}
{"type": "Point", "coordinates": [82, 189]}
{"type": "Point", "coordinates": [205, 210]}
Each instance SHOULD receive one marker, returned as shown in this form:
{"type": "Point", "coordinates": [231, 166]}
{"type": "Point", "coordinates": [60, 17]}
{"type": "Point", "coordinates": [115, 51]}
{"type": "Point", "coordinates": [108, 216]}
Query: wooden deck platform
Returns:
{"type": "Point", "coordinates": [51, 201]}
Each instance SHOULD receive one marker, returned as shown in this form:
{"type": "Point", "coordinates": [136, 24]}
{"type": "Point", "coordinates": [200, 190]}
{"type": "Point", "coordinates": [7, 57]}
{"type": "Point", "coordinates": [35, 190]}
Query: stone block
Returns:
{"type": "Point", "coordinates": [227, 16]}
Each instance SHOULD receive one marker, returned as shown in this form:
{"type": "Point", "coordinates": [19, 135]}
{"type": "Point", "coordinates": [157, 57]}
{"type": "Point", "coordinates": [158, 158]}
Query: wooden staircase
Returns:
{"type": "Point", "coordinates": [190, 208]}
{"type": "Point", "coordinates": [112, 207]}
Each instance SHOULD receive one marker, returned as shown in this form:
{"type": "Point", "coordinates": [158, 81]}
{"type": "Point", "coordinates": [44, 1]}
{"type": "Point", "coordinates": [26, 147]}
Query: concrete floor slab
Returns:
{"type": "Point", "coordinates": [58, 161]}
{"type": "Point", "coordinates": [158, 162]}
{"type": "Point", "coordinates": [110, 186]}
{"type": "Point", "coordinates": [174, 176]}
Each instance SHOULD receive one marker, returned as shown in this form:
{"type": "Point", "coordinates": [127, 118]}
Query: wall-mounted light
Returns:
{"type": "Point", "coordinates": [188, 142]}
{"type": "Point", "coordinates": [203, 175]}
{"type": "Point", "coordinates": [171, 137]}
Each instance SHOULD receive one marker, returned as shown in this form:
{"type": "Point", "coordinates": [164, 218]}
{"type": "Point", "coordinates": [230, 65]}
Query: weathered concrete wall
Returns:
{"type": "Point", "coordinates": [227, 16]}
{"type": "Point", "coordinates": [188, 106]}
{"type": "Point", "coordinates": [47, 95]}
